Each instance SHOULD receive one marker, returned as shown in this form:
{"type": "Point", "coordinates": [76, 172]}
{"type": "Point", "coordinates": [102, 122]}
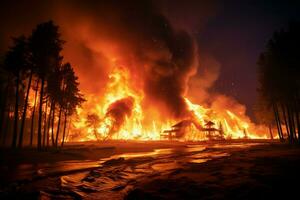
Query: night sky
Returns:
{"type": "Point", "coordinates": [232, 33]}
{"type": "Point", "coordinates": [237, 35]}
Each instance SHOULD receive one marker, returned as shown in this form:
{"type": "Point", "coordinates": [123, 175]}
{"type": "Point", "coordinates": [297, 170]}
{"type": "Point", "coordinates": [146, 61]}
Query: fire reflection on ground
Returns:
{"type": "Point", "coordinates": [118, 174]}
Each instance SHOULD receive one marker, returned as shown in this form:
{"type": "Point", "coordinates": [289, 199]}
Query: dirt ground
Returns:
{"type": "Point", "coordinates": [261, 172]}
{"type": "Point", "coordinates": [231, 170]}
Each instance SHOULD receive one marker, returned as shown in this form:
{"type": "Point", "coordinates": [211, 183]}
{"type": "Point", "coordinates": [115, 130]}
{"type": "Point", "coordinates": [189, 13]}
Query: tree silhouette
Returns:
{"type": "Point", "coordinates": [37, 60]}
{"type": "Point", "coordinates": [264, 114]}
{"type": "Point", "coordinates": [35, 88]}
{"type": "Point", "coordinates": [54, 94]}
{"type": "Point", "coordinates": [16, 60]}
{"type": "Point", "coordinates": [279, 68]}
{"type": "Point", "coordinates": [63, 91]}
{"type": "Point", "coordinates": [93, 121]}
{"type": "Point", "coordinates": [5, 88]}
{"type": "Point", "coordinates": [7, 99]}
{"type": "Point", "coordinates": [45, 45]}
{"type": "Point", "coordinates": [29, 71]}
{"type": "Point", "coordinates": [72, 98]}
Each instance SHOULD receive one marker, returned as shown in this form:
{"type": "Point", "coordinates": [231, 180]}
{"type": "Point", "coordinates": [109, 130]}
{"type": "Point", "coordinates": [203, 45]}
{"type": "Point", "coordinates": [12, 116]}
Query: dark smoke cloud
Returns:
{"type": "Point", "coordinates": [159, 56]}
{"type": "Point", "coordinates": [118, 111]}
{"type": "Point", "coordinates": [162, 57]}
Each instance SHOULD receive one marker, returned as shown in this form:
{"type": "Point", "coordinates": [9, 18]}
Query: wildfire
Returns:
{"type": "Point", "coordinates": [120, 115]}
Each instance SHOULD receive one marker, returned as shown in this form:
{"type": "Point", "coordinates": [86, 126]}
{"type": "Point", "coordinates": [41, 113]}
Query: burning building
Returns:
{"type": "Point", "coordinates": [135, 68]}
{"type": "Point", "coordinates": [141, 67]}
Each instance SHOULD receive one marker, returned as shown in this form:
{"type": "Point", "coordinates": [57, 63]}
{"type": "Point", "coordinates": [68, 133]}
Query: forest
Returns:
{"type": "Point", "coordinates": [278, 74]}
{"type": "Point", "coordinates": [39, 90]}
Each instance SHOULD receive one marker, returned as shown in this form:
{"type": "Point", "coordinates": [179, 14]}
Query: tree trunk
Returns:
{"type": "Point", "coordinates": [52, 125]}
{"type": "Point", "coordinates": [298, 122]}
{"type": "Point", "coordinates": [45, 123]}
{"type": "Point", "coordinates": [276, 120]}
{"type": "Point", "coordinates": [39, 141]}
{"type": "Point", "coordinates": [3, 109]}
{"type": "Point", "coordinates": [294, 122]}
{"type": "Point", "coordinates": [58, 126]}
{"type": "Point", "coordinates": [290, 120]}
{"type": "Point", "coordinates": [67, 136]}
{"type": "Point", "coordinates": [48, 123]}
{"type": "Point", "coordinates": [278, 123]}
{"type": "Point", "coordinates": [15, 130]}
{"type": "Point", "coordinates": [24, 111]}
{"type": "Point", "coordinates": [5, 128]}
{"type": "Point", "coordinates": [270, 130]}
{"type": "Point", "coordinates": [286, 123]}
{"type": "Point", "coordinates": [33, 113]}
{"type": "Point", "coordinates": [64, 133]}
{"type": "Point", "coordinates": [294, 117]}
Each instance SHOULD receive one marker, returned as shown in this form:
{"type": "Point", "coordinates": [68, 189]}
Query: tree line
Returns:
{"type": "Point", "coordinates": [39, 91]}
{"type": "Point", "coordinates": [278, 73]}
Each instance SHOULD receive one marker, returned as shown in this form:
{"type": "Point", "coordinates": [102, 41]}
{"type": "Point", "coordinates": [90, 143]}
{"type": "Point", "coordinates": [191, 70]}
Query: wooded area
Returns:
{"type": "Point", "coordinates": [279, 90]}
{"type": "Point", "coordinates": [39, 90]}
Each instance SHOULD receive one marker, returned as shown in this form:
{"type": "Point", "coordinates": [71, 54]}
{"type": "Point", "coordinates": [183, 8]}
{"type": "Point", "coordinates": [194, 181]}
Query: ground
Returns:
{"type": "Point", "coordinates": [153, 170]}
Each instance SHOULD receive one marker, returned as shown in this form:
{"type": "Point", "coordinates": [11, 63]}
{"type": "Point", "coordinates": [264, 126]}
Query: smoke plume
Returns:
{"type": "Point", "coordinates": [118, 111]}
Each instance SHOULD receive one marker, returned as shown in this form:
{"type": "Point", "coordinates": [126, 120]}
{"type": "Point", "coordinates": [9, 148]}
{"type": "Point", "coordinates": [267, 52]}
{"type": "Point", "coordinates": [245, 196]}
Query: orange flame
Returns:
{"type": "Point", "coordinates": [135, 127]}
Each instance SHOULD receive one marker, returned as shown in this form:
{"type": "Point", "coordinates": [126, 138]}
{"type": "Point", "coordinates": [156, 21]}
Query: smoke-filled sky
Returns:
{"type": "Point", "coordinates": [168, 39]}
